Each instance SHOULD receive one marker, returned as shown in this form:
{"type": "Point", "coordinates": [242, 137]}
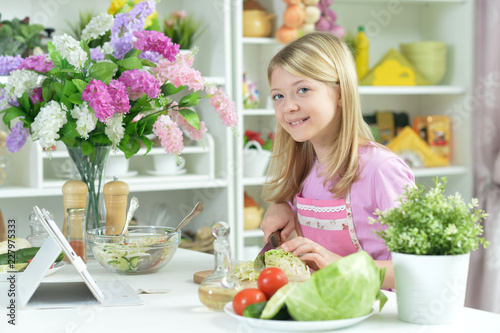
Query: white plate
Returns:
{"type": "Point", "coordinates": [161, 173]}
{"type": "Point", "coordinates": [58, 266]}
{"type": "Point", "coordinates": [292, 325]}
{"type": "Point", "coordinates": [128, 174]}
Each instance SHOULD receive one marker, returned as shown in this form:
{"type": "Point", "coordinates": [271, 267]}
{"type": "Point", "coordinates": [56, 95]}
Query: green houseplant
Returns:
{"type": "Point", "coordinates": [182, 29]}
{"type": "Point", "coordinates": [18, 37]}
{"type": "Point", "coordinates": [431, 236]}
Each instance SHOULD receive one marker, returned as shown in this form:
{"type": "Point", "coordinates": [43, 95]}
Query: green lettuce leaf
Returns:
{"type": "Point", "coordinates": [347, 288]}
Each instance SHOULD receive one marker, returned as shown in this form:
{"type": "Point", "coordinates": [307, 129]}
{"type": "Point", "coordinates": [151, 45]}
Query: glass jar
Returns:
{"type": "Point", "coordinates": [221, 285]}
{"type": "Point", "coordinates": [77, 231]}
{"type": "Point", "coordinates": [38, 233]}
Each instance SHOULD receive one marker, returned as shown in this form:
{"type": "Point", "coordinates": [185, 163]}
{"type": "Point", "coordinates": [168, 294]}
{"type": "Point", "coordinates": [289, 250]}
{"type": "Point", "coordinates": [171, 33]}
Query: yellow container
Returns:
{"type": "Point", "coordinates": [362, 49]}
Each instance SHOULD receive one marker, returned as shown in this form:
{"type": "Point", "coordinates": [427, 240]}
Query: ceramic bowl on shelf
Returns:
{"type": "Point", "coordinates": [428, 57]}
{"type": "Point", "coordinates": [145, 249]}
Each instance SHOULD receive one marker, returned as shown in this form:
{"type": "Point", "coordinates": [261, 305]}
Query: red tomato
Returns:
{"type": "Point", "coordinates": [247, 297]}
{"type": "Point", "coordinates": [270, 280]}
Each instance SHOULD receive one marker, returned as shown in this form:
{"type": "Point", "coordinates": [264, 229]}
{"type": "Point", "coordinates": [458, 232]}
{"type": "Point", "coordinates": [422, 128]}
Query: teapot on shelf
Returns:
{"type": "Point", "coordinates": [256, 22]}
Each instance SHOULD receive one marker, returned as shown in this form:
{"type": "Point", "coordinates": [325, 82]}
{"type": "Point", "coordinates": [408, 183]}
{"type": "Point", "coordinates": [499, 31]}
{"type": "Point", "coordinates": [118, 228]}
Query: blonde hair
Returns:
{"type": "Point", "coordinates": [323, 57]}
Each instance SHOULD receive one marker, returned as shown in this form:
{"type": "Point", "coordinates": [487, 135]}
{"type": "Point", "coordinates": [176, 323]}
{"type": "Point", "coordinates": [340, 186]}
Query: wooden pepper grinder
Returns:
{"type": "Point", "coordinates": [115, 199]}
{"type": "Point", "coordinates": [74, 196]}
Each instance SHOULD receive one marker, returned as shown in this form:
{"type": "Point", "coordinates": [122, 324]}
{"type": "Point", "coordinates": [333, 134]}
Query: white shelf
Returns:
{"type": "Point", "coordinates": [253, 233]}
{"type": "Point", "coordinates": [258, 112]}
{"type": "Point", "coordinates": [440, 171]}
{"type": "Point", "coordinates": [254, 181]}
{"type": "Point", "coordinates": [220, 80]}
{"type": "Point", "coordinates": [413, 90]}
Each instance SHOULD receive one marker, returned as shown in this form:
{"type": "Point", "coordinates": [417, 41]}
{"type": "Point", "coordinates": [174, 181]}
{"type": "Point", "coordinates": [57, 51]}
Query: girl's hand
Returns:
{"type": "Point", "coordinates": [278, 216]}
{"type": "Point", "coordinates": [314, 255]}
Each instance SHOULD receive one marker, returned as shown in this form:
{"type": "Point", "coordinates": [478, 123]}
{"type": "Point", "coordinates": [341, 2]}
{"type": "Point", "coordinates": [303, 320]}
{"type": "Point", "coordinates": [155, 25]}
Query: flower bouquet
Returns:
{"type": "Point", "coordinates": [111, 96]}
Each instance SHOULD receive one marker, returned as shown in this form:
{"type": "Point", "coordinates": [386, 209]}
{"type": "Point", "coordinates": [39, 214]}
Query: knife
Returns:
{"type": "Point", "coordinates": [259, 264]}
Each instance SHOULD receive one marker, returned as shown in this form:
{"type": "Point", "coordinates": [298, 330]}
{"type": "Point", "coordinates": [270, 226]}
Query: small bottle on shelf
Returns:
{"type": "Point", "coordinates": [77, 231]}
{"type": "Point", "coordinates": [221, 285]}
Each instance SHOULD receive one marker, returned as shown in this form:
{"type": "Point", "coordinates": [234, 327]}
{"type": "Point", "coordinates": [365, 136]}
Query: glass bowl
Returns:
{"type": "Point", "coordinates": [144, 249]}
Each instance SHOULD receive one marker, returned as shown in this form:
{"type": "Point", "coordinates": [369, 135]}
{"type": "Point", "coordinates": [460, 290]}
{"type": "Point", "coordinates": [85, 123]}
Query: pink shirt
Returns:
{"type": "Point", "coordinates": [383, 179]}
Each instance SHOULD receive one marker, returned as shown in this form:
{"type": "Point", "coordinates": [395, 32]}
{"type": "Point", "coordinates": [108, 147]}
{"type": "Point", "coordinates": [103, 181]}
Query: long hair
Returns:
{"type": "Point", "coordinates": [323, 57]}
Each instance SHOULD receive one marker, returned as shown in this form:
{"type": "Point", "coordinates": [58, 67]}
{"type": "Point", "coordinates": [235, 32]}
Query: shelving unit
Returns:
{"type": "Point", "coordinates": [387, 23]}
{"type": "Point", "coordinates": [209, 171]}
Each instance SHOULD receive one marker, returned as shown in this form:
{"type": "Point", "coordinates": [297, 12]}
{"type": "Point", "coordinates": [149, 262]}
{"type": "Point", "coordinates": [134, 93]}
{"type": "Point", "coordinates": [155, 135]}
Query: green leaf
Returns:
{"type": "Point", "coordinates": [103, 71]}
{"type": "Point", "coordinates": [12, 113]}
{"type": "Point", "coordinates": [100, 138]}
{"type": "Point", "coordinates": [69, 88]}
{"type": "Point", "coordinates": [76, 98]}
{"type": "Point", "coordinates": [70, 142]}
{"type": "Point", "coordinates": [86, 49]}
{"type": "Point", "coordinates": [131, 147]}
{"type": "Point", "coordinates": [87, 148]}
{"type": "Point", "coordinates": [189, 100]}
{"type": "Point", "coordinates": [191, 117]}
{"type": "Point", "coordinates": [24, 102]}
{"type": "Point", "coordinates": [58, 87]}
{"type": "Point", "coordinates": [130, 63]}
{"type": "Point", "coordinates": [47, 90]}
{"type": "Point", "coordinates": [64, 100]}
{"type": "Point", "coordinates": [147, 63]}
{"type": "Point", "coordinates": [169, 89]}
{"type": "Point", "coordinates": [54, 55]}
{"type": "Point", "coordinates": [69, 130]}
{"type": "Point", "coordinates": [134, 53]}
{"type": "Point", "coordinates": [148, 143]}
{"type": "Point", "coordinates": [79, 84]}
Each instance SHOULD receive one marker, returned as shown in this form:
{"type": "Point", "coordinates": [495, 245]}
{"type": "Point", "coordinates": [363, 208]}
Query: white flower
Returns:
{"type": "Point", "coordinates": [85, 119]}
{"type": "Point", "coordinates": [107, 48]}
{"type": "Point", "coordinates": [21, 81]}
{"type": "Point", "coordinates": [48, 122]}
{"type": "Point", "coordinates": [70, 50]}
{"type": "Point", "coordinates": [114, 128]}
{"type": "Point", "coordinates": [98, 26]}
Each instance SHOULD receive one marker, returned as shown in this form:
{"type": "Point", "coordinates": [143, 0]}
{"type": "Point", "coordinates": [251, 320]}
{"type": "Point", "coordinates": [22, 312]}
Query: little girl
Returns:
{"type": "Point", "coordinates": [327, 176]}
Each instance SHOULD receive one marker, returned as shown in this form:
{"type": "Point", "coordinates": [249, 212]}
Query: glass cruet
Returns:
{"type": "Point", "coordinates": [221, 285]}
{"type": "Point", "coordinates": [38, 233]}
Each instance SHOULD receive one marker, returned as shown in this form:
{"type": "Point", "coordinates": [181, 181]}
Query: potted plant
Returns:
{"type": "Point", "coordinates": [182, 29]}
{"type": "Point", "coordinates": [18, 37]}
{"type": "Point", "coordinates": [430, 236]}
{"type": "Point", "coordinates": [256, 153]}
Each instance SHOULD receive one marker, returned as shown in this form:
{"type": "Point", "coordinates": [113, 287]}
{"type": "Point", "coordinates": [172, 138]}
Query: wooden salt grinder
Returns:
{"type": "Point", "coordinates": [74, 196]}
{"type": "Point", "coordinates": [115, 199]}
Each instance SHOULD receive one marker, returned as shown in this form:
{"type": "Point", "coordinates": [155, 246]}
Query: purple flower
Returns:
{"type": "Point", "coordinates": [9, 63]}
{"type": "Point", "coordinates": [96, 54]}
{"type": "Point", "coordinates": [38, 63]}
{"type": "Point", "coordinates": [122, 38]}
{"type": "Point", "coordinates": [17, 137]}
{"type": "Point", "coordinates": [96, 94]}
{"type": "Point", "coordinates": [152, 56]}
{"type": "Point", "coordinates": [36, 96]}
{"type": "Point", "coordinates": [119, 98]}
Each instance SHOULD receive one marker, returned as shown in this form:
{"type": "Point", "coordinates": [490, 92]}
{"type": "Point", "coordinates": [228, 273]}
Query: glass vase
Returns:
{"type": "Point", "coordinates": [91, 169]}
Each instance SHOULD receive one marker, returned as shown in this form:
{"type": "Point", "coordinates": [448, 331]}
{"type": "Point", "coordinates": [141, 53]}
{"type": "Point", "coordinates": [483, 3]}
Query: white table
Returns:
{"type": "Point", "coordinates": [181, 311]}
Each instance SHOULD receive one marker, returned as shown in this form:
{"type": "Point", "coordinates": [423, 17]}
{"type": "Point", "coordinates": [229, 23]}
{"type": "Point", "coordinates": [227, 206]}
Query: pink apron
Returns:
{"type": "Point", "coordinates": [328, 223]}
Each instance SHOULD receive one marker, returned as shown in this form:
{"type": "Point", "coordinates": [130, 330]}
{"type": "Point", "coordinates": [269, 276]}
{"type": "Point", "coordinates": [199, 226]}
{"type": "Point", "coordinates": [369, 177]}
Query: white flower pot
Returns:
{"type": "Point", "coordinates": [255, 160]}
{"type": "Point", "coordinates": [430, 289]}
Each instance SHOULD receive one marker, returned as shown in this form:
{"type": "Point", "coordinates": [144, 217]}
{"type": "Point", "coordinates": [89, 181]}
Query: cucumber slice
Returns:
{"type": "Point", "coordinates": [133, 262]}
{"type": "Point", "coordinates": [120, 264]}
{"type": "Point", "coordinates": [276, 302]}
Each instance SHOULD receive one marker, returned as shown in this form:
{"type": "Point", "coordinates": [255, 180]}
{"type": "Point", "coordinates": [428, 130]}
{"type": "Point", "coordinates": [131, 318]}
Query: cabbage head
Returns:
{"type": "Point", "coordinates": [294, 268]}
{"type": "Point", "coordinates": [347, 288]}
{"type": "Point", "coordinates": [19, 243]}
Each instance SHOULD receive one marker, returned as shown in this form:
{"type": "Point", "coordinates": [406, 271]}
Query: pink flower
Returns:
{"type": "Point", "coordinates": [137, 118]}
{"type": "Point", "coordinates": [169, 134]}
{"type": "Point", "coordinates": [36, 96]}
{"type": "Point", "coordinates": [192, 132]}
{"type": "Point", "coordinates": [179, 73]}
{"type": "Point", "coordinates": [157, 42]}
{"type": "Point", "coordinates": [97, 95]}
{"type": "Point", "coordinates": [39, 63]}
{"type": "Point", "coordinates": [119, 98]}
{"type": "Point", "coordinates": [181, 14]}
{"type": "Point", "coordinates": [139, 83]}
{"type": "Point", "coordinates": [224, 106]}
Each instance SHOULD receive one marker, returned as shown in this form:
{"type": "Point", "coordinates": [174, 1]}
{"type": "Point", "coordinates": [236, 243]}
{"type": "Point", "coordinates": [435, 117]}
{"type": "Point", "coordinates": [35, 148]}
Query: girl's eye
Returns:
{"type": "Point", "coordinates": [303, 90]}
{"type": "Point", "coordinates": [277, 96]}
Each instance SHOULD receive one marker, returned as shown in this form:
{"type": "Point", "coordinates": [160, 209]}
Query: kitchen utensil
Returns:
{"type": "Point", "coordinates": [259, 264]}
{"type": "Point", "coordinates": [134, 204]}
{"type": "Point", "coordinates": [198, 208]}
